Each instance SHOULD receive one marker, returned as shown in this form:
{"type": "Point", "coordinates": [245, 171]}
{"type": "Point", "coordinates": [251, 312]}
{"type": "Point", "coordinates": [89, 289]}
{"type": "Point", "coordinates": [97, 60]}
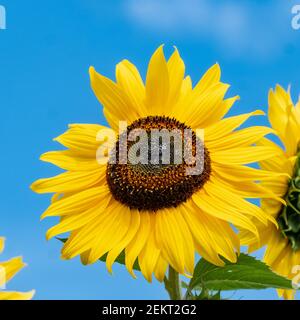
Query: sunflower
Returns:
{"type": "Point", "coordinates": [283, 243]}
{"type": "Point", "coordinates": [157, 214]}
{"type": "Point", "coordinates": [8, 269]}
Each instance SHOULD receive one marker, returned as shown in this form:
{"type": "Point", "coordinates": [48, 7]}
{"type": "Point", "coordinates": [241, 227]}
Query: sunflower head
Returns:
{"type": "Point", "coordinates": [289, 216]}
{"type": "Point", "coordinates": [114, 199]}
{"type": "Point", "coordinates": [154, 185]}
{"type": "Point", "coordinates": [283, 243]}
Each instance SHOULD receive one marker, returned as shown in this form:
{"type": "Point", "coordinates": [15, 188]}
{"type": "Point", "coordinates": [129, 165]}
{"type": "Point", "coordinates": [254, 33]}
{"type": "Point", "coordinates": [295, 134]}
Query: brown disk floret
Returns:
{"type": "Point", "coordinates": [156, 186]}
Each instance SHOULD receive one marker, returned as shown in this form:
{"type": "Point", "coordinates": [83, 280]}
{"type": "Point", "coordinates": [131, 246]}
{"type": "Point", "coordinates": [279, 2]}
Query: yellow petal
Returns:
{"type": "Point", "coordinates": [111, 232]}
{"type": "Point", "coordinates": [248, 189]}
{"type": "Point", "coordinates": [160, 268]}
{"type": "Point", "coordinates": [78, 202]}
{"type": "Point", "coordinates": [221, 236]}
{"type": "Point", "coordinates": [279, 186]}
{"type": "Point", "coordinates": [276, 248]}
{"type": "Point", "coordinates": [136, 245]}
{"type": "Point", "coordinates": [132, 230]}
{"type": "Point", "coordinates": [11, 267]}
{"type": "Point", "coordinates": [70, 181]}
{"type": "Point", "coordinates": [176, 69]}
{"type": "Point", "coordinates": [74, 221]}
{"type": "Point", "coordinates": [220, 129]}
{"type": "Point", "coordinates": [13, 295]}
{"type": "Point", "coordinates": [83, 138]}
{"type": "Point", "coordinates": [149, 254]}
{"type": "Point", "coordinates": [129, 79]}
{"type": "Point", "coordinates": [112, 97]}
{"type": "Point", "coordinates": [238, 202]}
{"type": "Point", "coordinates": [175, 239]}
{"type": "Point", "coordinates": [186, 89]}
{"type": "Point", "coordinates": [88, 236]}
{"type": "Point", "coordinates": [217, 208]}
{"type": "Point", "coordinates": [243, 155]}
{"type": "Point", "coordinates": [238, 173]}
{"type": "Point", "coordinates": [283, 118]}
{"type": "Point", "coordinates": [69, 160]}
{"type": "Point", "coordinates": [2, 241]}
{"type": "Point", "coordinates": [240, 138]}
{"type": "Point", "coordinates": [201, 238]}
{"type": "Point", "coordinates": [205, 108]}
{"type": "Point", "coordinates": [210, 78]}
{"type": "Point", "coordinates": [157, 84]}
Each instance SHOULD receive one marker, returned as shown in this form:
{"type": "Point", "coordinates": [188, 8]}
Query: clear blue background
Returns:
{"type": "Point", "coordinates": [44, 85]}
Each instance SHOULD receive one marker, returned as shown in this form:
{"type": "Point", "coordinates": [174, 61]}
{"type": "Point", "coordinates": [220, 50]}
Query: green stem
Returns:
{"type": "Point", "coordinates": [172, 284]}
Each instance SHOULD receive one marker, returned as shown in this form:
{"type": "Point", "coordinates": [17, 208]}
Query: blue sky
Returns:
{"type": "Point", "coordinates": [45, 53]}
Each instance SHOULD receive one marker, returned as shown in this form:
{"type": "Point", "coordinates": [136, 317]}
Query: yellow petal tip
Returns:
{"type": "Point", "coordinates": [259, 113]}
{"type": "Point", "coordinates": [92, 72]}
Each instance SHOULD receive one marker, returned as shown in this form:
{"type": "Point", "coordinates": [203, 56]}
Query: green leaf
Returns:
{"type": "Point", "coordinates": [216, 296]}
{"type": "Point", "coordinates": [184, 285]}
{"type": "Point", "coordinates": [246, 273]}
{"type": "Point", "coordinates": [120, 259]}
{"type": "Point", "coordinates": [207, 295]}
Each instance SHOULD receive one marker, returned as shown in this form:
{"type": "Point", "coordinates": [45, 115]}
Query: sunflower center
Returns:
{"type": "Point", "coordinates": [158, 162]}
{"type": "Point", "coordinates": [289, 217]}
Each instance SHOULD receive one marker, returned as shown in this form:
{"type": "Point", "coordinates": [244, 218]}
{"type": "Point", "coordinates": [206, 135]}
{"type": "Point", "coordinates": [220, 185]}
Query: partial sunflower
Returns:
{"type": "Point", "coordinates": [283, 244]}
{"type": "Point", "coordinates": [157, 214]}
{"type": "Point", "coordinates": [8, 269]}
